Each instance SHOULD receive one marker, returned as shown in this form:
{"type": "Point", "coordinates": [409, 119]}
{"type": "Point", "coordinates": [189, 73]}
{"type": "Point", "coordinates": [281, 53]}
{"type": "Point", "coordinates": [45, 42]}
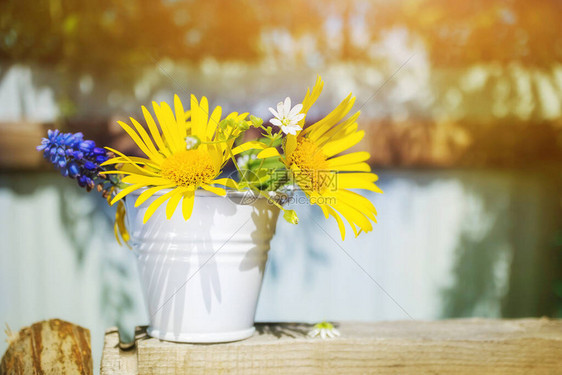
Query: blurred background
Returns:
{"type": "Point", "coordinates": [461, 103]}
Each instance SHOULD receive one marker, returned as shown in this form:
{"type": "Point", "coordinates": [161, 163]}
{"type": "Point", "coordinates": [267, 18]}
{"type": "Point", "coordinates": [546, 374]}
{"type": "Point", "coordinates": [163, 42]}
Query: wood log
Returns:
{"type": "Point", "coordinates": [49, 347]}
{"type": "Point", "coordinates": [467, 346]}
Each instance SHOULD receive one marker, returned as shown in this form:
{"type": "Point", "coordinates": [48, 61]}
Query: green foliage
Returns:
{"type": "Point", "coordinates": [267, 174]}
{"type": "Point", "coordinates": [122, 37]}
{"type": "Point", "coordinates": [125, 36]}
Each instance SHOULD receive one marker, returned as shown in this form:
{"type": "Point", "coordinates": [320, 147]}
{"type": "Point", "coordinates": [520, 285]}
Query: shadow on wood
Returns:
{"type": "Point", "coordinates": [464, 346]}
{"type": "Point", "coordinates": [279, 330]}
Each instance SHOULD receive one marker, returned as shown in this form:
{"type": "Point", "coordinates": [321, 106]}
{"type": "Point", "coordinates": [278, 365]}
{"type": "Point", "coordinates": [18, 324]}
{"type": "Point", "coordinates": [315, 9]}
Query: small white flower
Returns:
{"type": "Point", "coordinates": [325, 330]}
{"type": "Point", "coordinates": [244, 160]}
{"type": "Point", "coordinates": [287, 118]}
{"type": "Point", "coordinates": [192, 142]}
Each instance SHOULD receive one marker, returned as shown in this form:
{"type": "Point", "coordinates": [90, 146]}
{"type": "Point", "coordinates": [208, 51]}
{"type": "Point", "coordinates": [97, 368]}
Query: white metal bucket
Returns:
{"type": "Point", "coordinates": [201, 278]}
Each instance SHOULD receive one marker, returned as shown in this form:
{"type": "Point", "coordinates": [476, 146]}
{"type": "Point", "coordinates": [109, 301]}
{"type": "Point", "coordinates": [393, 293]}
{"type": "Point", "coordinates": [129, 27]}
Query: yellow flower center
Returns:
{"type": "Point", "coordinates": [189, 168]}
{"type": "Point", "coordinates": [314, 174]}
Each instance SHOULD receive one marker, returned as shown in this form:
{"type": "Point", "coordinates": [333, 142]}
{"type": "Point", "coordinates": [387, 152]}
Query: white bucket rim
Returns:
{"type": "Point", "coordinates": [230, 193]}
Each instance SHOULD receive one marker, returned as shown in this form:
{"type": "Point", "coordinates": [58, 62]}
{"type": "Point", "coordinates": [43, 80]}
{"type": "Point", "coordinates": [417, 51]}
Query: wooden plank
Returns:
{"type": "Point", "coordinates": [411, 144]}
{"type": "Point", "coordinates": [468, 346]}
{"type": "Point", "coordinates": [114, 360]}
{"type": "Point", "coordinates": [17, 145]}
{"type": "Point", "coordinates": [49, 347]}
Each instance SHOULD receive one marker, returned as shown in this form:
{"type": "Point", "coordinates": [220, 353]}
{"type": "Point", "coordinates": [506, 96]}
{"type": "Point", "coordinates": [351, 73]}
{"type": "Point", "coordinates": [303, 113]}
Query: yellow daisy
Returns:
{"type": "Point", "coordinates": [325, 177]}
{"type": "Point", "coordinates": [169, 164]}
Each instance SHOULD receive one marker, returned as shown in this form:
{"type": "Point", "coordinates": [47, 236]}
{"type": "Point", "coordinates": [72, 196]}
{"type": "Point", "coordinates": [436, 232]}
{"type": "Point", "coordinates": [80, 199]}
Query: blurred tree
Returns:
{"type": "Point", "coordinates": [103, 37]}
{"type": "Point", "coordinates": [481, 31]}
{"type": "Point", "coordinates": [515, 44]}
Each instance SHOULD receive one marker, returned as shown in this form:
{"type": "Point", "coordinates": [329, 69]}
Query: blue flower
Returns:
{"type": "Point", "coordinates": [77, 158]}
{"type": "Point", "coordinates": [85, 181]}
{"type": "Point", "coordinates": [87, 146]}
{"type": "Point", "coordinates": [73, 169]}
{"type": "Point", "coordinates": [90, 165]}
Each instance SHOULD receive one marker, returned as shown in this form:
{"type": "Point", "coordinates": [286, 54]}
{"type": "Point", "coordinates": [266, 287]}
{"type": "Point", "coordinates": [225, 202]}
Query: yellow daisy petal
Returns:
{"type": "Point", "coordinates": [155, 132]}
{"type": "Point", "coordinates": [249, 146]}
{"type": "Point", "coordinates": [145, 195]}
{"type": "Point", "coordinates": [154, 205]}
{"type": "Point", "coordinates": [354, 157]}
{"type": "Point", "coordinates": [242, 116]}
{"type": "Point", "coordinates": [146, 180]}
{"type": "Point", "coordinates": [355, 200]}
{"type": "Point", "coordinates": [119, 228]}
{"type": "Point", "coordinates": [168, 117]}
{"type": "Point", "coordinates": [327, 210]}
{"type": "Point", "coordinates": [142, 171]}
{"type": "Point", "coordinates": [310, 98]}
{"type": "Point", "coordinates": [345, 181]}
{"type": "Point", "coordinates": [268, 153]}
{"type": "Point", "coordinates": [173, 202]}
{"type": "Point", "coordinates": [181, 118]}
{"type": "Point", "coordinates": [353, 216]}
{"type": "Point", "coordinates": [138, 141]}
{"type": "Point", "coordinates": [339, 131]}
{"type": "Point", "coordinates": [369, 177]}
{"type": "Point", "coordinates": [124, 192]}
{"type": "Point", "coordinates": [214, 122]}
{"type": "Point", "coordinates": [215, 190]}
{"type": "Point", "coordinates": [131, 160]}
{"type": "Point", "coordinates": [187, 204]}
{"type": "Point", "coordinates": [199, 115]}
{"type": "Point", "coordinates": [336, 146]}
{"type": "Point", "coordinates": [168, 134]}
{"type": "Point", "coordinates": [290, 145]}
{"type": "Point", "coordinates": [228, 182]}
{"type": "Point", "coordinates": [347, 218]}
{"type": "Point", "coordinates": [359, 167]}
{"type": "Point", "coordinates": [331, 119]}
{"type": "Point", "coordinates": [156, 157]}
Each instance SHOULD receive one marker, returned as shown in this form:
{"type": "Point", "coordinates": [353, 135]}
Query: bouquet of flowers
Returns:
{"type": "Point", "coordinates": [187, 150]}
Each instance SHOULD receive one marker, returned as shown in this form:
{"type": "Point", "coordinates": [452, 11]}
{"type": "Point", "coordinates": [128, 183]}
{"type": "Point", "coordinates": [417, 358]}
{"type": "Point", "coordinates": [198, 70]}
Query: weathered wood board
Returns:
{"type": "Point", "coordinates": [17, 145]}
{"type": "Point", "coordinates": [48, 348]}
{"type": "Point", "coordinates": [467, 346]}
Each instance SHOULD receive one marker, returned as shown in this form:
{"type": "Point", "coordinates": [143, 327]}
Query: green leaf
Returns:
{"type": "Point", "coordinates": [256, 121]}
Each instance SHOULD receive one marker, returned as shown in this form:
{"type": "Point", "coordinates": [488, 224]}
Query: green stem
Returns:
{"type": "Point", "coordinates": [266, 196]}
{"type": "Point", "coordinates": [234, 161]}
{"type": "Point", "coordinates": [263, 160]}
{"type": "Point", "coordinates": [232, 155]}
{"type": "Point", "coordinates": [253, 188]}
{"type": "Point", "coordinates": [216, 142]}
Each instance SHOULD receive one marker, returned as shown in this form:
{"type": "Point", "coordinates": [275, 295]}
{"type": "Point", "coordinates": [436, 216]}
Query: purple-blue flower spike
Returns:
{"type": "Point", "coordinates": [78, 159]}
